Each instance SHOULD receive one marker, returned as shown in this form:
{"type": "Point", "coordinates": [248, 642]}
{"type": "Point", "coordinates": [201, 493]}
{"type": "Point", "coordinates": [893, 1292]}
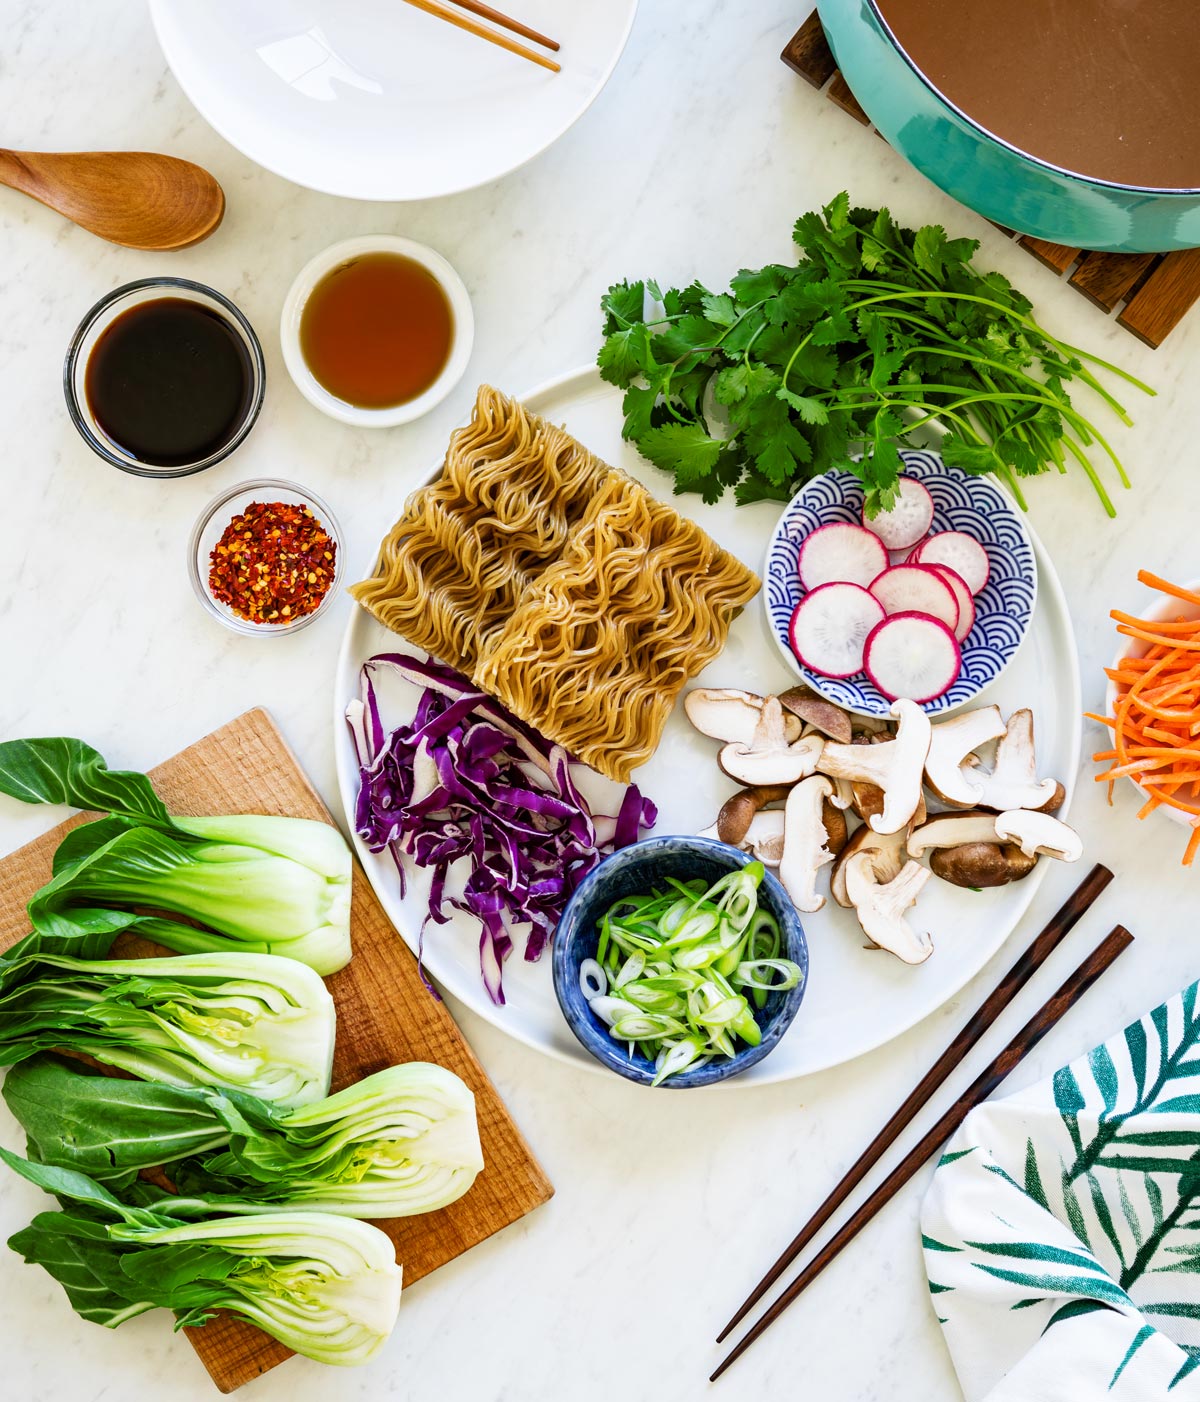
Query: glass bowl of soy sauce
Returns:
{"type": "Point", "coordinates": [164, 377]}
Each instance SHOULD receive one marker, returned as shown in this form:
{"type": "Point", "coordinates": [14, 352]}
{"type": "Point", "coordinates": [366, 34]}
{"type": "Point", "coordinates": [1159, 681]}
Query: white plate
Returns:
{"type": "Point", "coordinates": [857, 999]}
{"type": "Point", "coordinates": [377, 100]}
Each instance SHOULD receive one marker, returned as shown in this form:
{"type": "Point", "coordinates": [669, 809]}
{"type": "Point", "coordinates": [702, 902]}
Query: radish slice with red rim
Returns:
{"type": "Point", "coordinates": [961, 552]}
{"type": "Point", "coordinates": [905, 523]}
{"type": "Point", "coordinates": [829, 627]}
{"type": "Point", "coordinates": [841, 554]}
{"type": "Point", "coordinates": [962, 595]}
{"type": "Point", "coordinates": [913, 657]}
{"type": "Point", "coordinates": [916, 589]}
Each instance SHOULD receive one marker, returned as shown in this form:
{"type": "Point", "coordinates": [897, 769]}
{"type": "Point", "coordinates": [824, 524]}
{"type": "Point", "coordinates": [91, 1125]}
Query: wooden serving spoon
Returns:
{"type": "Point", "coordinates": [136, 198]}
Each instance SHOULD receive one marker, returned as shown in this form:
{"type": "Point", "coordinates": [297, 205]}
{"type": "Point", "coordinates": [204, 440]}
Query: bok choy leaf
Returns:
{"type": "Point", "coordinates": [267, 885]}
{"type": "Point", "coordinates": [251, 1022]}
{"type": "Point", "coordinates": [326, 1286]}
{"type": "Point", "coordinates": [400, 1142]}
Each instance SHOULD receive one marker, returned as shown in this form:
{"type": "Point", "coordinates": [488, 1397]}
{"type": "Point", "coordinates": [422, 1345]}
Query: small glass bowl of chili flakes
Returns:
{"type": "Point", "coordinates": [266, 557]}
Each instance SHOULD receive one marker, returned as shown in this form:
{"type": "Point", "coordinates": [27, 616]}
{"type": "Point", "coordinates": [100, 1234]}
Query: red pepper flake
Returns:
{"type": "Point", "coordinates": [273, 564]}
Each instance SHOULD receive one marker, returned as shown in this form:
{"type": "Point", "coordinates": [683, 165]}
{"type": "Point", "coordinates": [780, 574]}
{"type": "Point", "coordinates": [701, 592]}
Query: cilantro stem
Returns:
{"type": "Point", "coordinates": [896, 291]}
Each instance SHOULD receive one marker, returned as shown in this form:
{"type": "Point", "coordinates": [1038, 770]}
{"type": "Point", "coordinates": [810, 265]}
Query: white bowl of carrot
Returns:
{"type": "Point", "coordinates": [1152, 706]}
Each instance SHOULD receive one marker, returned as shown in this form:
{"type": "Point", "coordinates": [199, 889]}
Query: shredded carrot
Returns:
{"type": "Point", "coordinates": [1176, 591]}
{"type": "Point", "coordinates": [1156, 720]}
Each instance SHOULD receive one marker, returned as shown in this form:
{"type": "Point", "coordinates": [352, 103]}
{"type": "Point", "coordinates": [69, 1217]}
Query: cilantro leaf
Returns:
{"type": "Point", "coordinates": [719, 310]}
{"type": "Point", "coordinates": [812, 411]}
{"type": "Point", "coordinates": [638, 406]}
{"type": "Point", "coordinates": [684, 449]}
{"type": "Point", "coordinates": [625, 354]}
{"type": "Point", "coordinates": [686, 336]}
{"type": "Point", "coordinates": [622, 305]}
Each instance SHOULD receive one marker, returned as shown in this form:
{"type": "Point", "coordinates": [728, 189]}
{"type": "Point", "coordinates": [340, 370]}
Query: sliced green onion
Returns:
{"type": "Point", "coordinates": [676, 971]}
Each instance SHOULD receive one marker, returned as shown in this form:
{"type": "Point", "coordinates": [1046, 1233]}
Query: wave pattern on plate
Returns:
{"type": "Point", "coordinates": [974, 505]}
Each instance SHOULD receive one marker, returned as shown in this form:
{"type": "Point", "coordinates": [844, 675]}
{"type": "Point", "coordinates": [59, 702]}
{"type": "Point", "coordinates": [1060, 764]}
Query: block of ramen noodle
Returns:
{"type": "Point", "coordinates": [602, 642]}
{"type": "Point", "coordinates": [455, 565]}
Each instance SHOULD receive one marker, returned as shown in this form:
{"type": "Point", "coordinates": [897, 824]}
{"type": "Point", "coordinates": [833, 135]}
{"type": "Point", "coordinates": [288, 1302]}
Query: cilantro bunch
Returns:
{"type": "Point", "coordinates": [875, 333]}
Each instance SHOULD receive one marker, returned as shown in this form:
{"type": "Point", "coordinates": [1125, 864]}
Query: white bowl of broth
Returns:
{"type": "Point", "coordinates": [377, 330]}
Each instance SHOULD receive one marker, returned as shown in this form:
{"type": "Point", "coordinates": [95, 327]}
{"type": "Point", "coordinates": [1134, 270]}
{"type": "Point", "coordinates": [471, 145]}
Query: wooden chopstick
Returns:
{"type": "Point", "coordinates": [1058, 927]}
{"type": "Point", "coordinates": [435, 7]}
{"type": "Point", "coordinates": [1020, 1046]}
{"type": "Point", "coordinates": [507, 22]}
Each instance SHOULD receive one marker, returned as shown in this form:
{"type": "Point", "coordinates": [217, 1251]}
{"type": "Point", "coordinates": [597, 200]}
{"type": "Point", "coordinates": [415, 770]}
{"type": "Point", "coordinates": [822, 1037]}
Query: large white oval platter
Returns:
{"type": "Point", "coordinates": [377, 100]}
{"type": "Point", "coordinates": [857, 998]}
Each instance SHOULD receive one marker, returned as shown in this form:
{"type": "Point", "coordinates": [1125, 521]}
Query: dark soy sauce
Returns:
{"type": "Point", "coordinates": [169, 382]}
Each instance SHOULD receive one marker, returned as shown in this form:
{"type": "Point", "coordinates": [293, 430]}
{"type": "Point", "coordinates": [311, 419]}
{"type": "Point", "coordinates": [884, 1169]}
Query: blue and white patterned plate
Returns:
{"type": "Point", "coordinates": [974, 505]}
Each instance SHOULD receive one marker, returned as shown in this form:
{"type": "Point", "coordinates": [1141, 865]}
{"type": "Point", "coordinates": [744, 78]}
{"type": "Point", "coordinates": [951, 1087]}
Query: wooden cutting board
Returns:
{"type": "Point", "coordinates": [385, 1015]}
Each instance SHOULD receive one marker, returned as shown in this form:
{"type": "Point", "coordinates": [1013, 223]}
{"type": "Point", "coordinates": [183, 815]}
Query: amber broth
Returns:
{"type": "Point", "coordinates": [377, 331]}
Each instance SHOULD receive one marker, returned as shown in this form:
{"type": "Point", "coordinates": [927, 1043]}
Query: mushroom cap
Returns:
{"type": "Point", "coordinates": [981, 864]}
{"type": "Point", "coordinates": [1036, 832]}
{"type": "Point", "coordinates": [896, 766]}
{"type": "Point", "coordinates": [951, 743]}
{"type": "Point", "coordinates": [758, 768]}
{"type": "Point", "coordinates": [887, 850]}
{"type": "Point", "coordinates": [738, 811]}
{"type": "Point", "coordinates": [814, 710]}
{"type": "Point", "coordinates": [730, 715]}
{"type": "Point", "coordinates": [722, 713]}
{"type": "Point", "coordinates": [880, 907]}
{"type": "Point", "coordinates": [836, 829]}
{"type": "Point", "coordinates": [804, 842]}
{"type": "Point", "coordinates": [953, 830]}
{"type": "Point", "coordinates": [1013, 782]}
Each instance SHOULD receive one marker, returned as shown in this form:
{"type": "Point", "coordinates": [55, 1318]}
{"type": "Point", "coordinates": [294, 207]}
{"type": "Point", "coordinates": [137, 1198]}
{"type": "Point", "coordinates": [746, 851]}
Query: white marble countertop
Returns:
{"type": "Point", "coordinates": [694, 162]}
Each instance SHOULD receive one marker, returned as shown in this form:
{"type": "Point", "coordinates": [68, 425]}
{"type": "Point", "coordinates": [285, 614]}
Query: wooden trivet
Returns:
{"type": "Point", "coordinates": [1154, 291]}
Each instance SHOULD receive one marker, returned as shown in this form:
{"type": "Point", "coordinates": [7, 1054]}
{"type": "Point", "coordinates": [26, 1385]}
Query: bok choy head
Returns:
{"type": "Point", "coordinates": [400, 1142]}
{"type": "Point", "coordinates": [267, 885]}
{"type": "Point", "coordinates": [326, 1286]}
{"type": "Point", "coordinates": [251, 1022]}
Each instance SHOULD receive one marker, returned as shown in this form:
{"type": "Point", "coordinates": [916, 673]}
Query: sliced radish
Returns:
{"type": "Point", "coordinates": [962, 552]}
{"type": "Point", "coordinates": [966, 604]}
{"type": "Point", "coordinates": [829, 627]}
{"type": "Point", "coordinates": [907, 521]}
{"type": "Point", "coordinates": [841, 554]}
{"type": "Point", "coordinates": [916, 589]}
{"type": "Point", "coordinates": [912, 656]}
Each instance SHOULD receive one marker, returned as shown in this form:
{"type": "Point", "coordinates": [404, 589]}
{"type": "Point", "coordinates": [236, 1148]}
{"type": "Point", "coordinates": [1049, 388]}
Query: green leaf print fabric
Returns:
{"type": "Point", "coordinates": [1062, 1227]}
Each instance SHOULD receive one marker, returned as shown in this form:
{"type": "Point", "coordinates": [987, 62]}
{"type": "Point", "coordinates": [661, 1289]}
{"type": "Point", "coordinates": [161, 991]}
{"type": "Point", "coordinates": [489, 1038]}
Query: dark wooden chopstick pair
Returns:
{"type": "Point", "coordinates": [452, 16]}
{"type": "Point", "coordinates": [1060, 924]}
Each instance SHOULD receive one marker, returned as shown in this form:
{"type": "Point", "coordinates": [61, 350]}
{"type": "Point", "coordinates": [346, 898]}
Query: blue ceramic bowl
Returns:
{"type": "Point", "coordinates": [637, 870]}
{"type": "Point", "coordinates": [988, 174]}
{"type": "Point", "coordinates": [961, 502]}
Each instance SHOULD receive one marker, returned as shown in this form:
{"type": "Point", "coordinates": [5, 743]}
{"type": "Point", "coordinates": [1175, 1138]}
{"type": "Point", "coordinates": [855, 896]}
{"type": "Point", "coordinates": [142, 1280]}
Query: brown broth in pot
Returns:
{"type": "Point", "coordinates": [1103, 88]}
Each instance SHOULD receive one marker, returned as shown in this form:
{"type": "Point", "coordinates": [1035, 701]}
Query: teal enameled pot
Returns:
{"type": "Point", "coordinates": [985, 173]}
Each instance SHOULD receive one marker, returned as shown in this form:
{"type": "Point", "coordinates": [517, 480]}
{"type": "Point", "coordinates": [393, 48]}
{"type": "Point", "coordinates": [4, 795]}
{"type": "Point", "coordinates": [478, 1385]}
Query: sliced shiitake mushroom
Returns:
{"type": "Point", "coordinates": [730, 715]}
{"type": "Point", "coordinates": [895, 766]}
{"type": "Point", "coordinates": [738, 811]}
{"type": "Point", "coordinates": [814, 710]}
{"type": "Point", "coordinates": [804, 842]}
{"type": "Point", "coordinates": [880, 906]}
{"type": "Point", "coordinates": [952, 742]}
{"type": "Point", "coordinates": [887, 851]}
{"type": "Point", "coordinates": [1012, 781]}
{"type": "Point", "coordinates": [1038, 833]}
{"type": "Point", "coordinates": [977, 864]}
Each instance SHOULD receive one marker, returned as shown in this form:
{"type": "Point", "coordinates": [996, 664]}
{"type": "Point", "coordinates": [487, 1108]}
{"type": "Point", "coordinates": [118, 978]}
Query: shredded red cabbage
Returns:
{"type": "Point", "coordinates": [466, 779]}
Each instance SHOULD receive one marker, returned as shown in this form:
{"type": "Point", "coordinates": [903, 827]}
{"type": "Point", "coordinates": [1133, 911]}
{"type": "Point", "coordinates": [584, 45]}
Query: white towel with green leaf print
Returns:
{"type": "Point", "coordinates": [1062, 1228]}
